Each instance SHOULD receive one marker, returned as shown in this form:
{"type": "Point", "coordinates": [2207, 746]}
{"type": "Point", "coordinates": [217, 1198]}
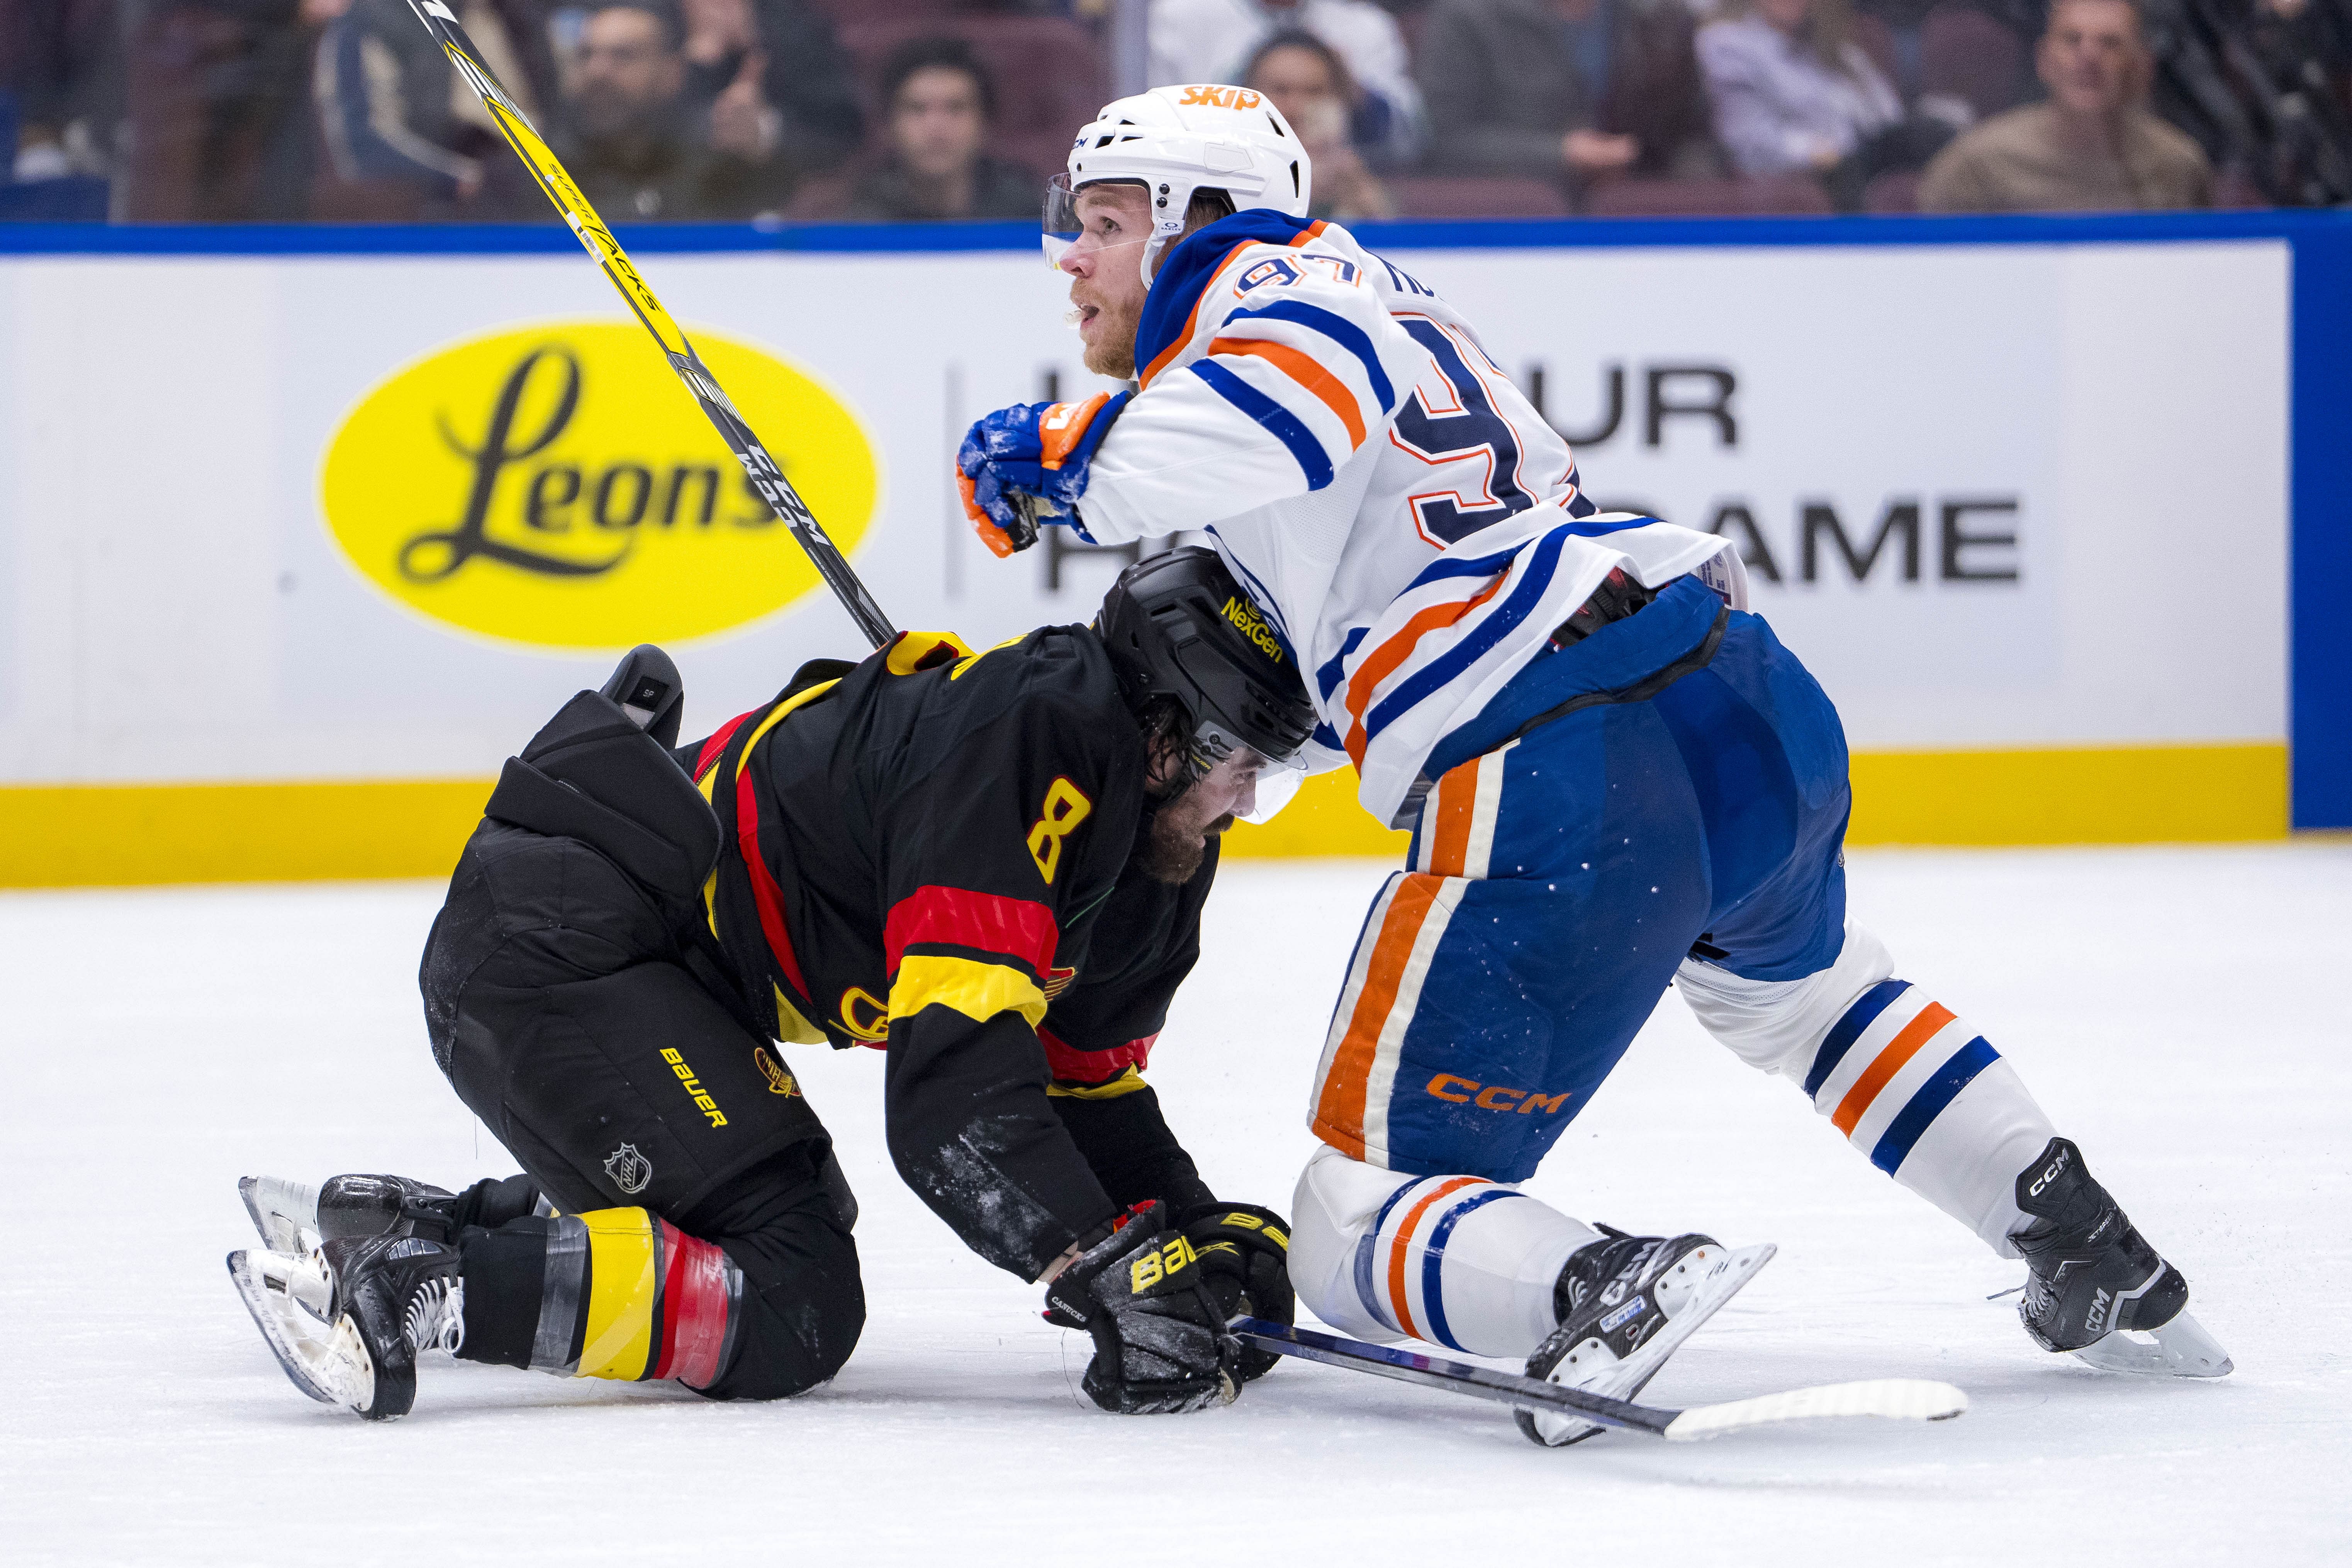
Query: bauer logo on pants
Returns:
{"type": "Point", "coordinates": [556, 487]}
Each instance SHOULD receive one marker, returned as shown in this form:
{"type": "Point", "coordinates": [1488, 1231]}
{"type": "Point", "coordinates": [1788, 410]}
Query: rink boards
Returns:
{"type": "Point", "coordinates": [301, 532]}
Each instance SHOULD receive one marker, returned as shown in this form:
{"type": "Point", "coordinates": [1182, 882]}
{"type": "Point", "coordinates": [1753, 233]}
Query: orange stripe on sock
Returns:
{"type": "Point", "coordinates": [1900, 1050]}
{"type": "Point", "coordinates": [1457, 807]}
{"type": "Point", "coordinates": [1404, 1235]}
{"type": "Point", "coordinates": [1329, 388]}
{"type": "Point", "coordinates": [1339, 1109]}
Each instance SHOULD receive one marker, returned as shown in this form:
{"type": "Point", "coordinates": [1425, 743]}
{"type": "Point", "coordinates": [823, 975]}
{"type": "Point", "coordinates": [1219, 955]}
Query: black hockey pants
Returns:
{"type": "Point", "coordinates": [572, 1013]}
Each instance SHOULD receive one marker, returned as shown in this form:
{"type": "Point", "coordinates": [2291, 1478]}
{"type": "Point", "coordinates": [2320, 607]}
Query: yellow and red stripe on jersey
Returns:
{"type": "Point", "coordinates": [1095, 1075]}
{"type": "Point", "coordinates": [1005, 952]}
{"type": "Point", "coordinates": [767, 897]}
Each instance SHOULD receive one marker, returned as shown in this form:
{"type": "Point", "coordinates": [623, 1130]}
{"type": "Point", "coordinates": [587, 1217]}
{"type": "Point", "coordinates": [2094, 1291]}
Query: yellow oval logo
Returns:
{"type": "Point", "coordinates": [557, 486]}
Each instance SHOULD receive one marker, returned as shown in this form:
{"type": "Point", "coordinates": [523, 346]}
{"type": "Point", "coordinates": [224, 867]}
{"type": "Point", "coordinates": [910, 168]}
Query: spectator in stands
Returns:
{"type": "Point", "coordinates": [1792, 91]}
{"type": "Point", "coordinates": [65, 65]}
{"type": "Point", "coordinates": [2091, 147]}
{"type": "Point", "coordinates": [1308, 83]}
{"type": "Point", "coordinates": [631, 136]}
{"type": "Point", "coordinates": [404, 138]}
{"type": "Point", "coordinates": [937, 100]}
{"type": "Point", "coordinates": [218, 93]}
{"type": "Point", "coordinates": [1571, 90]}
{"type": "Point", "coordinates": [1213, 40]}
{"type": "Point", "coordinates": [777, 85]}
{"type": "Point", "coordinates": [2265, 89]}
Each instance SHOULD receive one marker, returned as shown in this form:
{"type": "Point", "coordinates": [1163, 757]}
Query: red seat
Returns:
{"type": "Point", "coordinates": [1964, 54]}
{"type": "Point", "coordinates": [1797, 194]}
{"type": "Point", "coordinates": [1050, 77]}
{"type": "Point", "coordinates": [1426, 196]}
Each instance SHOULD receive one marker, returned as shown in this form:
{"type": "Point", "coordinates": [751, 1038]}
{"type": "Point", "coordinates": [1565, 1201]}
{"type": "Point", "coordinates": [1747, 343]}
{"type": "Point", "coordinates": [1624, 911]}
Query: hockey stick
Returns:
{"type": "Point", "coordinates": [1908, 1399]}
{"type": "Point", "coordinates": [766, 476]}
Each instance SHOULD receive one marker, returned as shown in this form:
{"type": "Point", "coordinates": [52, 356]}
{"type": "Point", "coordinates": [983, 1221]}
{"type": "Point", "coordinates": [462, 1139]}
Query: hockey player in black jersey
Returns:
{"type": "Point", "coordinates": [988, 865]}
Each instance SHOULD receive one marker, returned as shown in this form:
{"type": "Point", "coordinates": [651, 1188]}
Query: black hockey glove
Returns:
{"type": "Point", "coordinates": [1246, 1251]}
{"type": "Point", "coordinates": [1159, 1340]}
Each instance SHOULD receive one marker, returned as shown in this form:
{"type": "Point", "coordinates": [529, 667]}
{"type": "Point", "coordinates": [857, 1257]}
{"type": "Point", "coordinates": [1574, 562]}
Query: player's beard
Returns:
{"type": "Point", "coordinates": [1112, 350]}
{"type": "Point", "coordinates": [1175, 841]}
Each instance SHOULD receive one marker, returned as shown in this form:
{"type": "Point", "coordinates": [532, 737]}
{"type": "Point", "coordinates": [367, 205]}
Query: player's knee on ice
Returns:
{"type": "Point", "coordinates": [1463, 1262]}
{"type": "Point", "coordinates": [804, 1304]}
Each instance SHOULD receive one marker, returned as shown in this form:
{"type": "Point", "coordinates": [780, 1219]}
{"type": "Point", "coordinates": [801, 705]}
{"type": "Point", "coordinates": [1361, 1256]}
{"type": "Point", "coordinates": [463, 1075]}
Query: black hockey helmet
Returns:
{"type": "Point", "coordinates": [1178, 626]}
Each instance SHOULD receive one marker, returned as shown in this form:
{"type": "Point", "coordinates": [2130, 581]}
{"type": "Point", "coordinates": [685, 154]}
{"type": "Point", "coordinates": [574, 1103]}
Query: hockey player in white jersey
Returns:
{"type": "Point", "coordinates": [1615, 776]}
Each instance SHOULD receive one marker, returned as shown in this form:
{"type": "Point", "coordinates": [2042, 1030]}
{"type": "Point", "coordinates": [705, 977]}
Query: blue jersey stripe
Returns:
{"type": "Point", "coordinates": [1340, 331]}
{"type": "Point", "coordinates": [1334, 668]}
{"type": "Point", "coordinates": [1846, 1030]}
{"type": "Point", "coordinates": [1613, 525]}
{"type": "Point", "coordinates": [1367, 1248]}
{"type": "Point", "coordinates": [1432, 1264]}
{"type": "Point", "coordinates": [1498, 624]}
{"type": "Point", "coordinates": [1928, 1103]}
{"type": "Point", "coordinates": [1284, 425]}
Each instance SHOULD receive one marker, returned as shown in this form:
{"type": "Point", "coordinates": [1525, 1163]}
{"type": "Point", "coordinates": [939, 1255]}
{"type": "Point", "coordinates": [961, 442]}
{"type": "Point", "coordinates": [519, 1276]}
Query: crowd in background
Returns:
{"type": "Point", "coordinates": [158, 111]}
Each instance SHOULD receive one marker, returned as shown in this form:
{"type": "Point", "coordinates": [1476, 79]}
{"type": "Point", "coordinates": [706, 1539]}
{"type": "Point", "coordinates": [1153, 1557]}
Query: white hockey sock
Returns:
{"type": "Point", "coordinates": [1460, 1260]}
{"type": "Point", "coordinates": [1915, 1089]}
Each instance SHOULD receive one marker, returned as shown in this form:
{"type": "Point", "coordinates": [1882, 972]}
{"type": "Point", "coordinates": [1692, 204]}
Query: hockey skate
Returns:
{"type": "Point", "coordinates": [348, 1321]}
{"type": "Point", "coordinates": [2094, 1285]}
{"type": "Point", "coordinates": [298, 1217]}
{"type": "Point", "coordinates": [1626, 1303]}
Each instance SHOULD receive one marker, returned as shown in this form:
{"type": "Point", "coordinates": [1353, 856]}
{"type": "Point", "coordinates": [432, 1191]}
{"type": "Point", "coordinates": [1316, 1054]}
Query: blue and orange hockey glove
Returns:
{"type": "Point", "coordinates": [1037, 450]}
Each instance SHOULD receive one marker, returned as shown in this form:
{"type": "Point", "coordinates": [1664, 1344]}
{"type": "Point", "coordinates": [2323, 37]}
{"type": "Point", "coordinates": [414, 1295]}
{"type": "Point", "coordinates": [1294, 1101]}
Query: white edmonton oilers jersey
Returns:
{"type": "Point", "coordinates": [1412, 526]}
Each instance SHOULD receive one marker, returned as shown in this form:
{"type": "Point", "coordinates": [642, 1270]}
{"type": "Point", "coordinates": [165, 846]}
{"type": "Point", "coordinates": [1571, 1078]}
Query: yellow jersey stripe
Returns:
{"type": "Point", "coordinates": [977, 990]}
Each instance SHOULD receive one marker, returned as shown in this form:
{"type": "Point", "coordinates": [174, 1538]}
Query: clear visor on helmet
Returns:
{"type": "Point", "coordinates": [1062, 224]}
{"type": "Point", "coordinates": [1277, 778]}
{"type": "Point", "coordinates": [1064, 227]}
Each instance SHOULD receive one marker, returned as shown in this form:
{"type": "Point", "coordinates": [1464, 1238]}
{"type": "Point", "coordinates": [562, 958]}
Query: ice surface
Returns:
{"type": "Point", "coordinates": [2178, 1012]}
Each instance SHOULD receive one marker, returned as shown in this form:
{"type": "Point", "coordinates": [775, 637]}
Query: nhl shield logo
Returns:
{"type": "Point", "coordinates": [630, 1171]}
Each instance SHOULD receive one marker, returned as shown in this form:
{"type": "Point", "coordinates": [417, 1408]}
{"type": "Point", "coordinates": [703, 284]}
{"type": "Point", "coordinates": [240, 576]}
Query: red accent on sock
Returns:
{"type": "Point", "coordinates": [694, 1308]}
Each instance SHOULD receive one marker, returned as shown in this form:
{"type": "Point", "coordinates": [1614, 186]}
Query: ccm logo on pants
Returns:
{"type": "Point", "coordinates": [1493, 1097]}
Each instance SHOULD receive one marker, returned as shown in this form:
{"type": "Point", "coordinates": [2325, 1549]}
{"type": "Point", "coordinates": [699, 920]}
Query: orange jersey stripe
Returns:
{"type": "Point", "coordinates": [1899, 1049]}
{"type": "Point", "coordinates": [1457, 803]}
{"type": "Point", "coordinates": [1341, 1107]}
{"type": "Point", "coordinates": [1192, 318]}
{"type": "Point", "coordinates": [1299, 368]}
{"type": "Point", "coordinates": [1404, 1235]}
{"type": "Point", "coordinates": [1385, 659]}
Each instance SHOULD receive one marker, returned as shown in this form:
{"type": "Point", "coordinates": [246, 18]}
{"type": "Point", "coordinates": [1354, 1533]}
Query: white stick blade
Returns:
{"type": "Point", "coordinates": [1894, 1398]}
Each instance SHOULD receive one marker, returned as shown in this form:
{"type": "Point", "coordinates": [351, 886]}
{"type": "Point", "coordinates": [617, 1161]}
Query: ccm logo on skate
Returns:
{"type": "Point", "coordinates": [549, 487]}
{"type": "Point", "coordinates": [2055, 1169]}
{"type": "Point", "coordinates": [1495, 1097]}
{"type": "Point", "coordinates": [693, 1086]}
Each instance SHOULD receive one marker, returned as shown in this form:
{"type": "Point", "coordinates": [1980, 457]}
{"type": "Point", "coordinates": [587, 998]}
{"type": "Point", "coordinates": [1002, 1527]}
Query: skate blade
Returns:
{"type": "Point", "coordinates": [1725, 1279]}
{"type": "Point", "coordinates": [281, 1212]}
{"type": "Point", "coordinates": [327, 1365]}
{"type": "Point", "coordinates": [2180, 1348]}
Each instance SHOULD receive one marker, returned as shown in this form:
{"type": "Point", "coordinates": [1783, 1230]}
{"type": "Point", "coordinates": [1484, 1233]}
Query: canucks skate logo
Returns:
{"type": "Point", "coordinates": [552, 488]}
{"type": "Point", "coordinates": [630, 1171]}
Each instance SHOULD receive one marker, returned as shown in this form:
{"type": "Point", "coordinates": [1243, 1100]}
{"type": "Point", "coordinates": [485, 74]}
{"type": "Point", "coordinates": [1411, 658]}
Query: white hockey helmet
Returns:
{"type": "Point", "coordinates": [1174, 141]}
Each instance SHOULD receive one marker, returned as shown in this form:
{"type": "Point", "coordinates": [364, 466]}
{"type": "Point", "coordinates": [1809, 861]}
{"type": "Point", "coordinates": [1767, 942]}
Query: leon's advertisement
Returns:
{"type": "Point", "coordinates": [552, 486]}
